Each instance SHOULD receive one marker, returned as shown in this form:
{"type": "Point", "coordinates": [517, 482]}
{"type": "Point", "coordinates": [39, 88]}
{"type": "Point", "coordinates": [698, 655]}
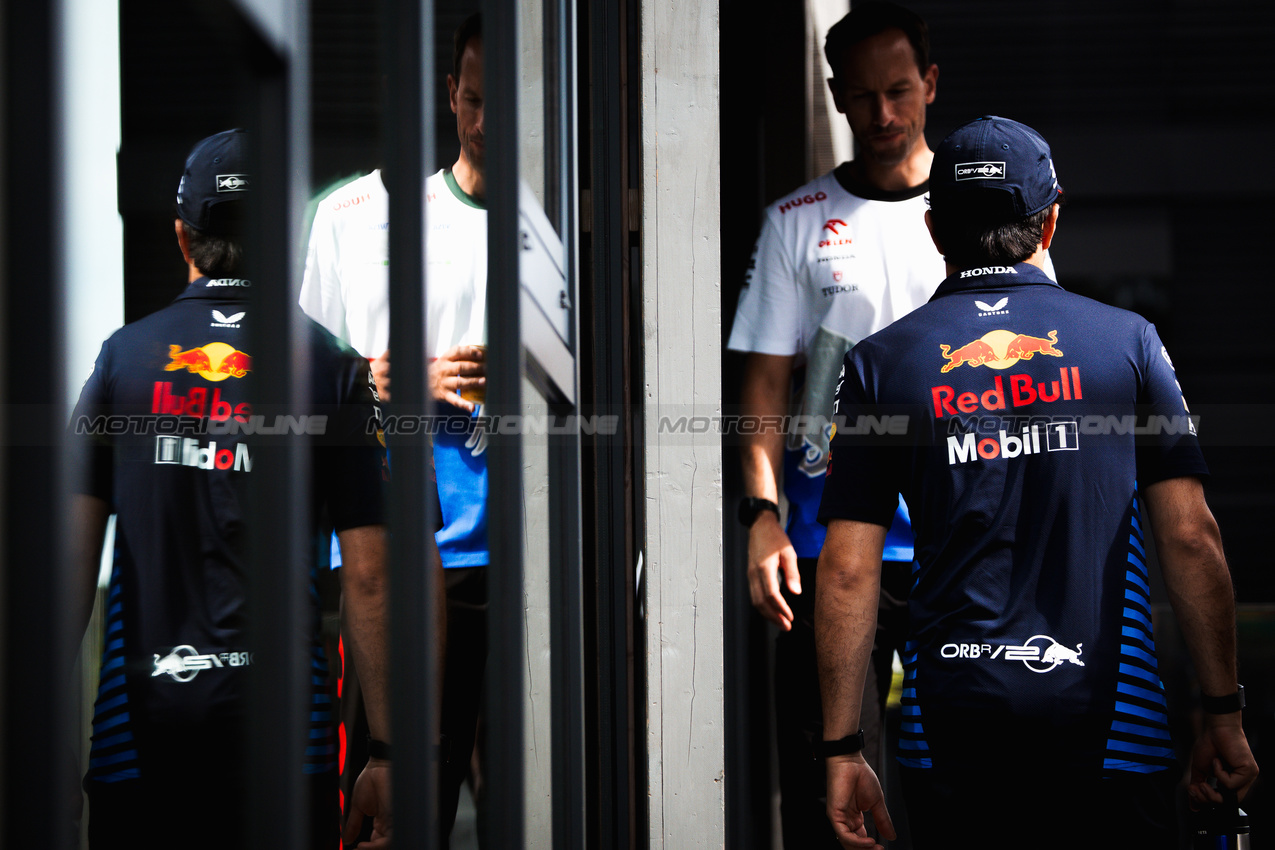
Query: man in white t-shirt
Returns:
{"type": "Point", "coordinates": [346, 289]}
{"type": "Point", "coordinates": [838, 259]}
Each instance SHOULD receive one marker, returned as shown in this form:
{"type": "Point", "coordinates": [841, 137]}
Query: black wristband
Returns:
{"type": "Point", "coordinates": [378, 749]}
{"type": "Point", "coordinates": [1223, 705]}
{"type": "Point", "coordinates": [841, 747]}
{"type": "Point", "coordinates": [751, 506]}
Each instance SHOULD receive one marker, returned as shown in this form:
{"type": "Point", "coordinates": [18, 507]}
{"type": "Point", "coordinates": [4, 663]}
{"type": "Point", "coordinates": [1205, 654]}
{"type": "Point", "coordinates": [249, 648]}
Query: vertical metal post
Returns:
{"type": "Point", "coordinates": [409, 31]}
{"type": "Point", "coordinates": [609, 244]}
{"type": "Point", "coordinates": [38, 646]}
{"type": "Point", "coordinates": [504, 690]}
{"type": "Point", "coordinates": [279, 587]}
{"type": "Point", "coordinates": [566, 600]}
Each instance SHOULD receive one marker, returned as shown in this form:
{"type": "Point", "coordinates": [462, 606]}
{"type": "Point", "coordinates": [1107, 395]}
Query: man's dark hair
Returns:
{"type": "Point", "coordinates": [873, 18]}
{"type": "Point", "coordinates": [215, 255]}
{"type": "Point", "coordinates": [470, 28]}
{"type": "Point", "coordinates": [981, 233]}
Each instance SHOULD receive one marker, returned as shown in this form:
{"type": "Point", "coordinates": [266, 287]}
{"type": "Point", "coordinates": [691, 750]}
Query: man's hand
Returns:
{"type": "Point", "coordinates": [371, 798]}
{"type": "Point", "coordinates": [460, 370]}
{"type": "Point", "coordinates": [770, 553]}
{"type": "Point", "coordinates": [381, 374]}
{"type": "Point", "coordinates": [852, 790]}
{"type": "Point", "coordinates": [1221, 750]}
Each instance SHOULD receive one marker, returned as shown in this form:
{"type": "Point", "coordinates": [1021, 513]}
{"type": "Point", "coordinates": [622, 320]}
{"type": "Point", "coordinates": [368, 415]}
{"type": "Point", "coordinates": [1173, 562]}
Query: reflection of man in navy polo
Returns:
{"type": "Point", "coordinates": [1030, 670]}
{"type": "Point", "coordinates": [169, 746]}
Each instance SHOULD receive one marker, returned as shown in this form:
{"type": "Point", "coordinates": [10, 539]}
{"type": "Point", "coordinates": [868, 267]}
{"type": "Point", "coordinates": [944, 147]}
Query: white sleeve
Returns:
{"type": "Point", "coordinates": [321, 295]}
{"type": "Point", "coordinates": [768, 318]}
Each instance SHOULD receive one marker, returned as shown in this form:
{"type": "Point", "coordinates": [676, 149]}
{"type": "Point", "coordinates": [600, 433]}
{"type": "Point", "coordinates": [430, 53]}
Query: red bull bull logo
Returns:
{"type": "Point", "coordinates": [215, 361]}
{"type": "Point", "coordinates": [1000, 349]}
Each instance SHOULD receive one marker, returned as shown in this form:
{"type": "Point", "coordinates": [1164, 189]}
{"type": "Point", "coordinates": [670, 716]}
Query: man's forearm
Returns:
{"type": "Point", "coordinates": [365, 587]}
{"type": "Point", "coordinates": [846, 595]}
{"type": "Point", "coordinates": [1189, 548]}
{"type": "Point", "coordinates": [763, 403]}
{"type": "Point", "coordinates": [89, 516]}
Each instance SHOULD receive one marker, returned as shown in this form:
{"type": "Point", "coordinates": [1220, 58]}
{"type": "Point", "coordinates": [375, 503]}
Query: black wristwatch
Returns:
{"type": "Point", "coordinates": [379, 749]}
{"type": "Point", "coordinates": [848, 745]}
{"type": "Point", "coordinates": [751, 506]}
{"type": "Point", "coordinates": [1223, 705]}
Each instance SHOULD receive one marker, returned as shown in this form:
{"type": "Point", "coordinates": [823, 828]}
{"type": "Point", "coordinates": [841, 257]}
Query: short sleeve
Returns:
{"type": "Point", "coordinates": [321, 296]}
{"type": "Point", "coordinates": [865, 466]}
{"type": "Point", "coordinates": [92, 453]}
{"type": "Point", "coordinates": [1170, 446]}
{"type": "Point", "coordinates": [768, 318]}
{"type": "Point", "coordinates": [351, 468]}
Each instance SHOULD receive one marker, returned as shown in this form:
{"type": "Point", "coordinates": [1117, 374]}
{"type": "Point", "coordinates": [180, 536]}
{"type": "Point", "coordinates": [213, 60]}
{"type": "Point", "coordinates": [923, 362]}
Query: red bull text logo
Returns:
{"type": "Point", "coordinates": [1022, 392]}
{"type": "Point", "coordinates": [197, 403]}
{"type": "Point", "coordinates": [1001, 349]}
{"type": "Point", "coordinates": [215, 361]}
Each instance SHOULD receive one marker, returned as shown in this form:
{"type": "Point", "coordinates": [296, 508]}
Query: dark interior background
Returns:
{"type": "Point", "coordinates": [183, 78]}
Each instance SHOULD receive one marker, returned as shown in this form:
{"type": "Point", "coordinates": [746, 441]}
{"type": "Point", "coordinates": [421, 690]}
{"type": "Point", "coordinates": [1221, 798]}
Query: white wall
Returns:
{"type": "Point", "coordinates": [94, 233]}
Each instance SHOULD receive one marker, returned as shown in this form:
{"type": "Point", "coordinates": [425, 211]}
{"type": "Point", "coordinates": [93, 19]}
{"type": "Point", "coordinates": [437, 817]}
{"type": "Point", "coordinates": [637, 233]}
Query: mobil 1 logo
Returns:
{"type": "Point", "coordinates": [1012, 441]}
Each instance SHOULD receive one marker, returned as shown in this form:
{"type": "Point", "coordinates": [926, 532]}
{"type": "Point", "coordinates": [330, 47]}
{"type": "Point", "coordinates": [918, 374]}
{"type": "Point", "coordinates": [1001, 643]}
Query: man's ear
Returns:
{"type": "Point", "coordinates": [183, 239]}
{"type": "Point", "coordinates": [836, 95]}
{"type": "Point", "coordinates": [929, 225]}
{"type": "Point", "coordinates": [1048, 229]}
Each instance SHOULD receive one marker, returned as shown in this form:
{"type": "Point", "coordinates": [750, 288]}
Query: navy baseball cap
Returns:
{"type": "Point", "coordinates": [216, 174]}
{"type": "Point", "coordinates": [994, 154]}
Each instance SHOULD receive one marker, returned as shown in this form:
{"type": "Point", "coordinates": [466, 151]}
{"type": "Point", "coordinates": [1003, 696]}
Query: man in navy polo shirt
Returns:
{"type": "Point", "coordinates": [169, 750]}
{"type": "Point", "coordinates": [1000, 411]}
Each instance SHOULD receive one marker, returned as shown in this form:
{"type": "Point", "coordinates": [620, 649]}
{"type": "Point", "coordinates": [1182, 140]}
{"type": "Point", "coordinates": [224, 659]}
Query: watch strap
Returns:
{"type": "Point", "coordinates": [848, 745]}
{"type": "Point", "coordinates": [1225, 704]}
{"type": "Point", "coordinates": [751, 506]}
{"type": "Point", "coordinates": [379, 749]}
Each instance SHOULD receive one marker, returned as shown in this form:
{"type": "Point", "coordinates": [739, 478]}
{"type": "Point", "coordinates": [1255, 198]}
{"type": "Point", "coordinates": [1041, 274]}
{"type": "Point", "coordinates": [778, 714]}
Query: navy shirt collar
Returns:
{"type": "Point", "coordinates": [217, 289]}
{"type": "Point", "coordinates": [993, 277]}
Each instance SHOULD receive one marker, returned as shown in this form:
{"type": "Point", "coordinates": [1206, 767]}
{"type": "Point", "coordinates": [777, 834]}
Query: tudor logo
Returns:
{"type": "Point", "coordinates": [232, 182]}
{"type": "Point", "coordinates": [980, 171]}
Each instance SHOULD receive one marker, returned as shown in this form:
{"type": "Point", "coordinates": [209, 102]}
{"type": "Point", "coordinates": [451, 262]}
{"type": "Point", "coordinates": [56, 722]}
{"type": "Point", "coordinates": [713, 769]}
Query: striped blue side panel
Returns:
{"type": "Point", "coordinates": [914, 750]}
{"type": "Point", "coordinates": [113, 755]}
{"type": "Point", "coordinates": [1138, 740]}
{"type": "Point", "coordinates": [321, 754]}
